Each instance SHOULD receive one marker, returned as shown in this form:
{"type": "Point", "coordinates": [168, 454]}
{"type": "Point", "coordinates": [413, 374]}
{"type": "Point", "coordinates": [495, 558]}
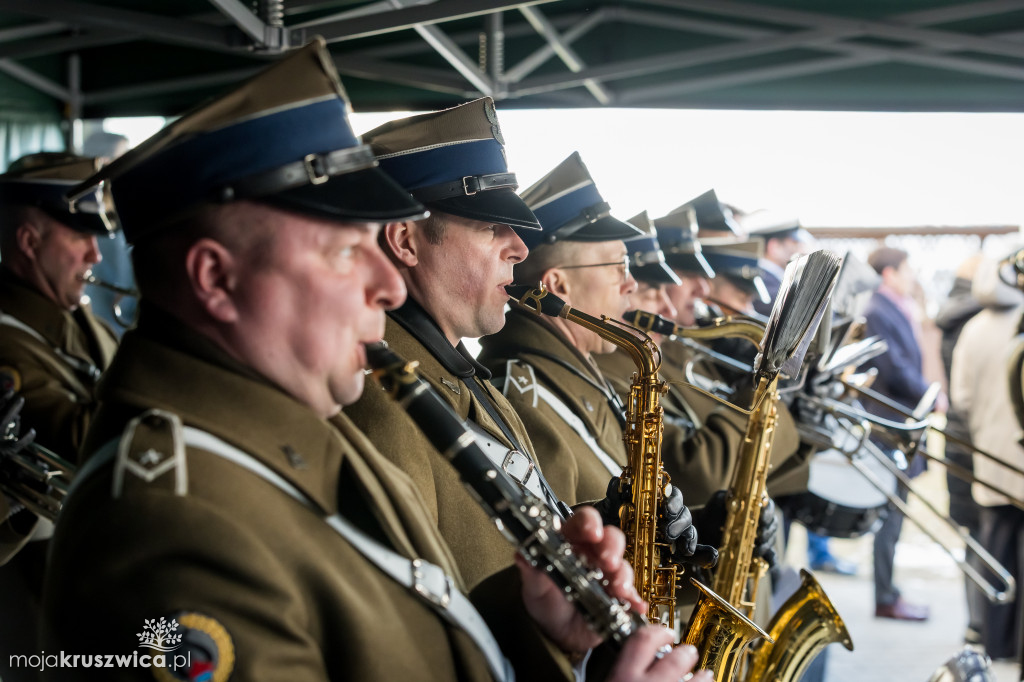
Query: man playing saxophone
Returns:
{"type": "Point", "coordinates": [546, 366]}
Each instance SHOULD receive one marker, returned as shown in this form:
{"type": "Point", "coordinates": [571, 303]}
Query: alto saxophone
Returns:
{"type": "Point", "coordinates": [656, 575]}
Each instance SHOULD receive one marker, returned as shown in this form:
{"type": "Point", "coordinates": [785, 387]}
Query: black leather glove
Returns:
{"type": "Point", "coordinates": [675, 525]}
{"type": "Point", "coordinates": [10, 424]}
{"type": "Point", "coordinates": [609, 506]}
{"type": "Point", "coordinates": [710, 523]}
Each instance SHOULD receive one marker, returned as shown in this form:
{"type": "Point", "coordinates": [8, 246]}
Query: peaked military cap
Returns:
{"type": "Point", "coordinates": [569, 208]}
{"type": "Point", "coordinates": [737, 261]}
{"type": "Point", "coordinates": [771, 225]}
{"type": "Point", "coordinates": [42, 180]}
{"type": "Point", "coordinates": [646, 261]}
{"type": "Point", "coordinates": [282, 138]}
{"type": "Point", "coordinates": [711, 214]}
{"type": "Point", "coordinates": [677, 234]}
{"type": "Point", "coordinates": [454, 160]}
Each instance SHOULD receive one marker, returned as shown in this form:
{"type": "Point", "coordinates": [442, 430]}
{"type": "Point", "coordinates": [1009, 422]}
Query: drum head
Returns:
{"type": "Point", "coordinates": [840, 501]}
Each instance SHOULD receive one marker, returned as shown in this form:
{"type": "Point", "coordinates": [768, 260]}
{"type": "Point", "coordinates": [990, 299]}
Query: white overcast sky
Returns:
{"type": "Point", "coordinates": [827, 168]}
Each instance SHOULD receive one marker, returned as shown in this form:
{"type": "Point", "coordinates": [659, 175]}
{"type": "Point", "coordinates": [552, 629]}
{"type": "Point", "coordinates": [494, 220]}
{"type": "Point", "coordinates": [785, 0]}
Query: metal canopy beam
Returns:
{"type": "Point", "coordinates": [35, 48]}
{"type": "Point", "coordinates": [861, 55]}
{"type": "Point", "coordinates": [764, 41]}
{"type": "Point", "coordinates": [565, 52]}
{"type": "Point", "coordinates": [365, 10]}
{"type": "Point", "coordinates": [409, 17]}
{"type": "Point", "coordinates": [437, 80]}
{"type": "Point", "coordinates": [944, 40]}
{"type": "Point", "coordinates": [264, 36]}
{"type": "Point", "coordinates": [160, 28]}
{"type": "Point", "coordinates": [31, 31]}
{"type": "Point", "coordinates": [454, 55]}
{"type": "Point", "coordinates": [33, 79]}
{"type": "Point", "coordinates": [530, 63]}
{"type": "Point", "coordinates": [163, 87]}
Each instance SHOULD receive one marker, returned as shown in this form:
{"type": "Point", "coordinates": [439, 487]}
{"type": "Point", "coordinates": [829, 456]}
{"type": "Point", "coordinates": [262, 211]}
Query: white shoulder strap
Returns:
{"type": "Point", "coordinates": [577, 425]}
{"type": "Point", "coordinates": [428, 581]}
{"type": "Point", "coordinates": [79, 365]}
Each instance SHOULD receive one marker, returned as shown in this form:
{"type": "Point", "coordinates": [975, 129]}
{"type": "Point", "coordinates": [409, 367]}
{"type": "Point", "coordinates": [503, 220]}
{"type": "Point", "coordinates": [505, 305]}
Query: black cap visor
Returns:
{"type": "Point", "coordinates": [86, 223]}
{"type": "Point", "coordinates": [606, 229]}
{"type": "Point", "coordinates": [501, 206]}
{"type": "Point", "coordinates": [654, 273]}
{"type": "Point", "coordinates": [364, 196]}
{"type": "Point", "coordinates": [752, 286]}
{"type": "Point", "coordinates": [690, 262]}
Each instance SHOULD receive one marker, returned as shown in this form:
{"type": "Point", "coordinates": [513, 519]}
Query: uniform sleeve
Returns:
{"type": "Point", "coordinates": [59, 416]}
{"type": "Point", "coordinates": [105, 582]}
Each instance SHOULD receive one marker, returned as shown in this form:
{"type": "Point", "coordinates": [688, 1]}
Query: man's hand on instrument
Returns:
{"type": "Point", "coordinates": [767, 534]}
{"type": "Point", "coordinates": [710, 523]}
{"type": "Point", "coordinates": [602, 547]}
{"type": "Point", "coordinates": [637, 660]}
{"type": "Point", "coordinates": [10, 424]}
{"type": "Point", "coordinates": [676, 525]}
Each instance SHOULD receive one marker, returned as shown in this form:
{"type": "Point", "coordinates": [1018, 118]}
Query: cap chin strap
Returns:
{"type": "Point", "coordinates": [465, 186]}
{"type": "Point", "coordinates": [313, 169]}
{"type": "Point", "coordinates": [588, 216]}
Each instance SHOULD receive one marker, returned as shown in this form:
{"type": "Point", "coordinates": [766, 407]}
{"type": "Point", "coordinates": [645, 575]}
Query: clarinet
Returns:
{"type": "Point", "coordinates": [524, 519]}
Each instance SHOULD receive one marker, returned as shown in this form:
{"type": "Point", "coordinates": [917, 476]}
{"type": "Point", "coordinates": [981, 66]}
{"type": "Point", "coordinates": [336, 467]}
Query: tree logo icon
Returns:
{"type": "Point", "coordinates": [160, 634]}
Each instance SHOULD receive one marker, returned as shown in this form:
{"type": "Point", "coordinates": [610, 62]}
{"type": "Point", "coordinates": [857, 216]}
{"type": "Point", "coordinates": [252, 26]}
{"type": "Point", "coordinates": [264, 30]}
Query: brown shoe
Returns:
{"type": "Point", "coordinates": [902, 610]}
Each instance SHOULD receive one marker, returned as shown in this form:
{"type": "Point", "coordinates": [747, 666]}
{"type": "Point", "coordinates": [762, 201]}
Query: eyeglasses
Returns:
{"type": "Point", "coordinates": [624, 264]}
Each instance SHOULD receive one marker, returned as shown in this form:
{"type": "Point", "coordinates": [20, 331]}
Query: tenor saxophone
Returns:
{"type": "Point", "coordinates": [655, 575]}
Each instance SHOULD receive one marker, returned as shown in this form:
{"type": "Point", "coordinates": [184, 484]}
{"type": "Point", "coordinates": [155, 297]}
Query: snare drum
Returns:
{"type": "Point", "coordinates": [840, 502]}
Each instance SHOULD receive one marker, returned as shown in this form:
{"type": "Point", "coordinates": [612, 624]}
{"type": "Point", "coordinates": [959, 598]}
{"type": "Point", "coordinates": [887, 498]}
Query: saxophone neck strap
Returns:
{"type": "Point", "coordinates": [610, 396]}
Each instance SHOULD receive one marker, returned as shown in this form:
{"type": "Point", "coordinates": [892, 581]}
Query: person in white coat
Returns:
{"type": "Point", "coordinates": [979, 385]}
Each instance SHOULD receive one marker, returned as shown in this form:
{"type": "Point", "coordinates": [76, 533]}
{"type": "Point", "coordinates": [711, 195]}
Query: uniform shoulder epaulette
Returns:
{"type": "Point", "coordinates": [519, 378]}
{"type": "Point", "coordinates": [152, 447]}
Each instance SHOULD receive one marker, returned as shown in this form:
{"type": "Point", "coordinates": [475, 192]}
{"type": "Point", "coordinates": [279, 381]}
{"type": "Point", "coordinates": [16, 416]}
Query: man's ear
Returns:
{"type": "Point", "coordinates": [401, 242]}
{"type": "Point", "coordinates": [556, 281]}
{"type": "Point", "coordinates": [28, 236]}
{"type": "Point", "coordinates": [212, 273]}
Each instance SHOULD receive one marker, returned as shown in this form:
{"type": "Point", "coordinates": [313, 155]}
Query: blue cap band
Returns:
{"type": "Point", "coordinates": [432, 166]}
{"type": "Point", "coordinates": [731, 263]}
{"type": "Point", "coordinates": [209, 161]}
{"type": "Point", "coordinates": [563, 209]}
{"type": "Point", "coordinates": [674, 236]}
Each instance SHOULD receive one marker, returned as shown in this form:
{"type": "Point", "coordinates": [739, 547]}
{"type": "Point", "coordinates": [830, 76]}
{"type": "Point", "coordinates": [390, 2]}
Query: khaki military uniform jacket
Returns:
{"type": "Point", "coordinates": [479, 548]}
{"type": "Point", "coordinates": [260, 578]}
{"type": "Point", "coordinates": [531, 359]}
{"type": "Point", "coordinates": [53, 358]}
